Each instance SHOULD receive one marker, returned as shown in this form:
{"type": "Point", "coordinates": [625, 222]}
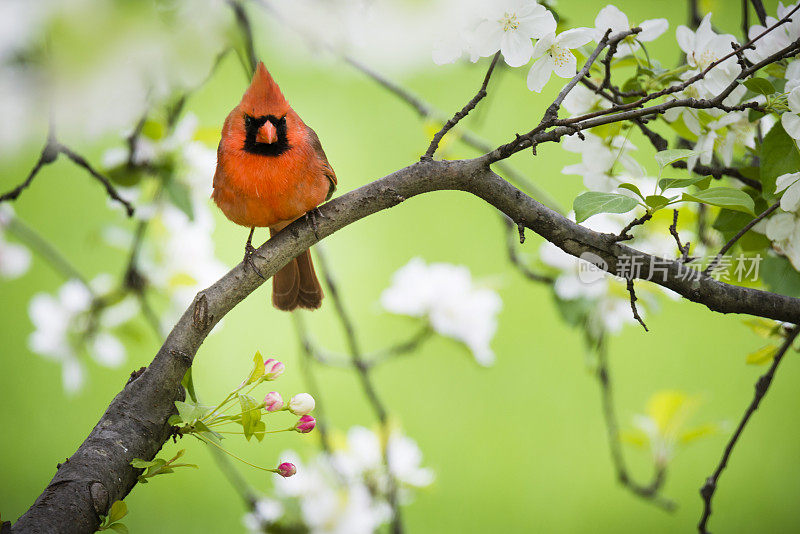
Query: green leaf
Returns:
{"type": "Point", "coordinates": [779, 276]}
{"type": "Point", "coordinates": [175, 420]}
{"type": "Point", "coordinates": [675, 183]}
{"type": "Point", "coordinates": [665, 157]}
{"type": "Point", "coordinates": [251, 415]}
{"type": "Point", "coordinates": [724, 197]}
{"type": "Point", "coordinates": [119, 527]}
{"type": "Point", "coordinates": [779, 155]}
{"type": "Point", "coordinates": [656, 201]}
{"type": "Point", "coordinates": [138, 463]}
{"type": "Point", "coordinates": [117, 511]}
{"type": "Point", "coordinates": [258, 369]}
{"type": "Point", "coordinates": [180, 196]}
{"type": "Point", "coordinates": [763, 355]}
{"type": "Point", "coordinates": [759, 86]}
{"type": "Point", "coordinates": [593, 202]}
{"type": "Point", "coordinates": [189, 412]}
{"type": "Point", "coordinates": [188, 384]}
{"type": "Point", "coordinates": [633, 188]}
{"type": "Point", "coordinates": [259, 430]}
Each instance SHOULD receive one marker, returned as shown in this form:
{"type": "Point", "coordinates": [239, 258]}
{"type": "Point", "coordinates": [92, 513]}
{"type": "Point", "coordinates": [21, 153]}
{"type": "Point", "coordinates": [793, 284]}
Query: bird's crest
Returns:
{"type": "Point", "coordinates": [263, 97]}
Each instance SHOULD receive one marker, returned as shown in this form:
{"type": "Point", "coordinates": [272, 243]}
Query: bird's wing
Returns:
{"type": "Point", "coordinates": [326, 166]}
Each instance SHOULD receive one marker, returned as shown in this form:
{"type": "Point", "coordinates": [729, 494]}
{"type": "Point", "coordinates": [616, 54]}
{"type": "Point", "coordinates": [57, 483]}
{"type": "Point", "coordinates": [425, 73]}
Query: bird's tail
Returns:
{"type": "Point", "coordinates": [296, 285]}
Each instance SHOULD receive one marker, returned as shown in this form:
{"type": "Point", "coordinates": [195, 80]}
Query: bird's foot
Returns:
{"type": "Point", "coordinates": [249, 252]}
{"type": "Point", "coordinates": [311, 216]}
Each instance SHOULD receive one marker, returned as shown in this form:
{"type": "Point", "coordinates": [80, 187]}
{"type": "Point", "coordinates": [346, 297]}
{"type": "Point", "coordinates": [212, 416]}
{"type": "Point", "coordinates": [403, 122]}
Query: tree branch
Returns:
{"type": "Point", "coordinates": [762, 386]}
{"type": "Point", "coordinates": [135, 424]}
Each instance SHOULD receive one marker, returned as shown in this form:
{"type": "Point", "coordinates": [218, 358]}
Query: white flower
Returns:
{"type": "Point", "coordinates": [447, 296]}
{"type": "Point", "coordinates": [15, 260]}
{"type": "Point", "coordinates": [791, 119]}
{"type": "Point", "coordinates": [552, 54]}
{"type": "Point", "coordinates": [610, 17]}
{"type": "Point", "coordinates": [790, 200]}
{"type": "Point", "coordinates": [783, 229]}
{"type": "Point", "coordinates": [605, 163]}
{"type": "Point", "coordinates": [62, 329]}
{"type": "Point", "coordinates": [509, 26]}
{"type": "Point", "coordinates": [777, 39]}
{"type": "Point", "coordinates": [703, 48]}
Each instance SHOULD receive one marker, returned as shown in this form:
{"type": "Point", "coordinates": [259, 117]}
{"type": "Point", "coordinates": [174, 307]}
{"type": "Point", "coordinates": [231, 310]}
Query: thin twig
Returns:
{"type": "Point", "coordinates": [732, 241]}
{"type": "Point", "coordinates": [514, 257]}
{"type": "Point", "coordinates": [761, 388]}
{"type": "Point", "coordinates": [624, 235]}
{"type": "Point", "coordinates": [673, 231]}
{"type": "Point", "coordinates": [81, 162]}
{"type": "Point", "coordinates": [48, 155]}
{"type": "Point", "coordinates": [480, 95]}
{"type": "Point", "coordinates": [243, 21]}
{"type": "Point", "coordinates": [650, 491]}
{"type": "Point", "coordinates": [761, 13]}
{"type": "Point", "coordinates": [635, 311]}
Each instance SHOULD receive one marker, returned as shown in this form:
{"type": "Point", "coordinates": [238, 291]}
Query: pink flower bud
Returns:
{"type": "Point", "coordinates": [273, 369]}
{"type": "Point", "coordinates": [301, 404]}
{"type": "Point", "coordinates": [273, 401]}
{"type": "Point", "coordinates": [305, 424]}
{"type": "Point", "coordinates": [286, 469]}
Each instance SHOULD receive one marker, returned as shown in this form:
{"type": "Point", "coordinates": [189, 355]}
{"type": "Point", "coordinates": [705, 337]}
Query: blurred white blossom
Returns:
{"type": "Point", "coordinates": [446, 295]}
{"type": "Point", "coordinates": [777, 39]}
{"type": "Point", "coordinates": [705, 47]}
{"type": "Point", "coordinates": [66, 326]}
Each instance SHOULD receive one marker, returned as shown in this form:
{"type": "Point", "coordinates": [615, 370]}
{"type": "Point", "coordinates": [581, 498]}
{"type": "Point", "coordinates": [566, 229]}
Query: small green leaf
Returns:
{"type": "Point", "coordinates": [259, 430]}
{"type": "Point", "coordinates": [633, 188]}
{"type": "Point", "coordinates": [675, 183]}
{"type": "Point", "coordinates": [759, 86]}
{"type": "Point", "coordinates": [656, 201]}
{"type": "Point", "coordinates": [258, 369]}
{"type": "Point", "coordinates": [189, 412]}
{"type": "Point", "coordinates": [779, 155]}
{"type": "Point", "coordinates": [117, 511]}
{"type": "Point", "coordinates": [665, 157]}
{"type": "Point", "coordinates": [251, 415]}
{"type": "Point", "coordinates": [175, 420]}
{"type": "Point", "coordinates": [724, 197]}
{"type": "Point", "coordinates": [763, 355]}
{"type": "Point", "coordinates": [594, 202]}
{"type": "Point", "coordinates": [138, 463]}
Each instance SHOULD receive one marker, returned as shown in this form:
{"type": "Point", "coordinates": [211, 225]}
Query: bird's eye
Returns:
{"type": "Point", "coordinates": [248, 120]}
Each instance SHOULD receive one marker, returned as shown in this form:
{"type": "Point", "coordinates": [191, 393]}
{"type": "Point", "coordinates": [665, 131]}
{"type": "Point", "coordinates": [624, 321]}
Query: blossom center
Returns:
{"type": "Point", "coordinates": [509, 22]}
{"type": "Point", "coordinates": [560, 55]}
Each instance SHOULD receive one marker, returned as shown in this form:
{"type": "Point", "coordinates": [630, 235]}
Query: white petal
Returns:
{"type": "Point", "coordinates": [566, 65]}
{"type": "Point", "coordinates": [652, 29]}
{"type": "Point", "coordinates": [487, 38]}
{"type": "Point", "coordinates": [540, 72]}
{"type": "Point", "coordinates": [785, 180]}
{"type": "Point", "coordinates": [780, 226]}
{"type": "Point", "coordinates": [14, 260]}
{"type": "Point", "coordinates": [791, 123]}
{"type": "Point", "coordinates": [794, 100]}
{"type": "Point", "coordinates": [73, 376]}
{"type": "Point", "coordinates": [107, 350]}
{"type": "Point", "coordinates": [790, 201]}
{"type": "Point", "coordinates": [610, 17]}
{"type": "Point", "coordinates": [446, 51]}
{"type": "Point", "coordinates": [538, 26]}
{"type": "Point", "coordinates": [574, 38]}
{"type": "Point", "coordinates": [543, 45]}
{"type": "Point", "coordinates": [517, 49]}
{"type": "Point", "coordinates": [685, 38]}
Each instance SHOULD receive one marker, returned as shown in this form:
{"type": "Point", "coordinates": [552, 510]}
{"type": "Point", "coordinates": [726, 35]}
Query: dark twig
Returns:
{"type": "Point", "coordinates": [673, 230]}
{"type": "Point", "coordinates": [695, 18]}
{"type": "Point", "coordinates": [243, 21]}
{"type": "Point", "coordinates": [81, 162]}
{"type": "Point", "coordinates": [732, 241]}
{"type": "Point", "coordinates": [48, 155]}
{"type": "Point", "coordinates": [761, 388]}
{"type": "Point", "coordinates": [635, 311]}
{"type": "Point", "coordinates": [480, 95]}
{"type": "Point", "coordinates": [624, 235]}
{"type": "Point", "coordinates": [651, 490]}
{"type": "Point", "coordinates": [761, 13]}
{"type": "Point", "coordinates": [719, 172]}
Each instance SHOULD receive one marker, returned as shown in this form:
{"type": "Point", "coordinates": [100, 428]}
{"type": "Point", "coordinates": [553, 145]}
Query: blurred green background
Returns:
{"type": "Point", "coordinates": [520, 446]}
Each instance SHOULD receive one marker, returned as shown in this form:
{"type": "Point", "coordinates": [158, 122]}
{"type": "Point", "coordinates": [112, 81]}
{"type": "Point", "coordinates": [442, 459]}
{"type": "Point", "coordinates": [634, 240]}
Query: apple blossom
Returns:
{"type": "Point", "coordinates": [552, 54]}
{"type": "Point", "coordinates": [286, 469]}
{"type": "Point", "coordinates": [273, 369]}
{"type": "Point", "coordinates": [305, 424]}
{"type": "Point", "coordinates": [705, 47]}
{"type": "Point", "coordinates": [509, 26]}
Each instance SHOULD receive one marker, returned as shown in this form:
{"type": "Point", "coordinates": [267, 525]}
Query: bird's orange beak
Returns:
{"type": "Point", "coordinates": [267, 133]}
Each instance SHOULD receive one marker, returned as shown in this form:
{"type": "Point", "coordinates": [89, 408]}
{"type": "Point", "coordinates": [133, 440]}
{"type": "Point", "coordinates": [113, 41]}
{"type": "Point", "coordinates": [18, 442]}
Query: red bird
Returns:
{"type": "Point", "coordinates": [271, 170]}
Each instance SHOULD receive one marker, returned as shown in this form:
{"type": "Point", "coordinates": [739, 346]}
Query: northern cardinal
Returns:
{"type": "Point", "coordinates": [271, 170]}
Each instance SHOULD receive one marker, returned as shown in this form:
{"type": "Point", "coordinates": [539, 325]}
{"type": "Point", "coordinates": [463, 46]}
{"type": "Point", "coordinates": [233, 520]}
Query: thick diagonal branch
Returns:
{"type": "Point", "coordinates": [135, 424]}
